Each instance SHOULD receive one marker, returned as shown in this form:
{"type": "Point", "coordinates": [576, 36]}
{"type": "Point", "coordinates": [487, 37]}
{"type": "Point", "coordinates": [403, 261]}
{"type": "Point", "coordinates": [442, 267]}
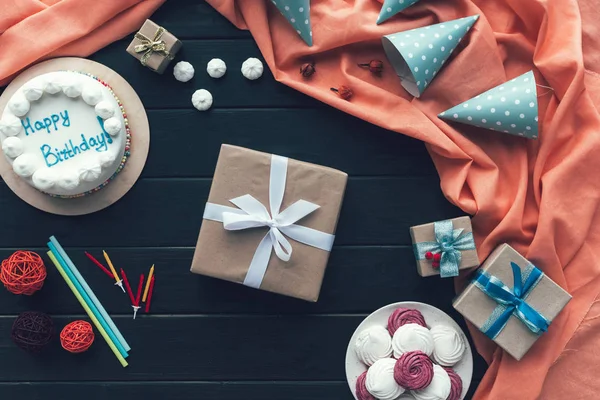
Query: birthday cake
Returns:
{"type": "Point", "coordinates": [65, 133]}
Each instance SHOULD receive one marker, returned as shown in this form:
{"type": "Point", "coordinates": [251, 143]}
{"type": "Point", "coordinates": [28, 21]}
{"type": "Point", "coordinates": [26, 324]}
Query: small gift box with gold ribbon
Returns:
{"type": "Point", "coordinates": [444, 247]}
{"type": "Point", "coordinates": [511, 301]}
{"type": "Point", "coordinates": [154, 46]}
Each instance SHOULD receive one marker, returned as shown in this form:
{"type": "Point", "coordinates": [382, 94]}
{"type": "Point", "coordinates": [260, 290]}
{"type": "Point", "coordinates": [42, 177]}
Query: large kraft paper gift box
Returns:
{"type": "Point", "coordinates": [539, 301]}
{"type": "Point", "coordinates": [250, 246]}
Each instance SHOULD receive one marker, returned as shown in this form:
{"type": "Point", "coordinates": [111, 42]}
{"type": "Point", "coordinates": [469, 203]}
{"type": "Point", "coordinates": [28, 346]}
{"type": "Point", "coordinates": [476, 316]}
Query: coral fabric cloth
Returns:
{"type": "Point", "coordinates": [539, 196]}
{"type": "Point", "coordinates": [35, 30]}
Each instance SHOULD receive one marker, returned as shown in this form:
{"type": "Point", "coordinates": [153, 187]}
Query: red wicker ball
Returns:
{"type": "Point", "coordinates": [77, 337]}
{"type": "Point", "coordinates": [23, 272]}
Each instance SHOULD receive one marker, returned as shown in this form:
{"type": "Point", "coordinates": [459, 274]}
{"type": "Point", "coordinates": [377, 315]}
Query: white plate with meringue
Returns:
{"type": "Point", "coordinates": [372, 341]}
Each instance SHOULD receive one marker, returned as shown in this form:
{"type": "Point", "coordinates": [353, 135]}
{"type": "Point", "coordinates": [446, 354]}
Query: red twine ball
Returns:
{"type": "Point", "coordinates": [429, 255]}
{"type": "Point", "coordinates": [437, 257]}
{"type": "Point", "coordinates": [77, 336]}
{"type": "Point", "coordinates": [23, 273]}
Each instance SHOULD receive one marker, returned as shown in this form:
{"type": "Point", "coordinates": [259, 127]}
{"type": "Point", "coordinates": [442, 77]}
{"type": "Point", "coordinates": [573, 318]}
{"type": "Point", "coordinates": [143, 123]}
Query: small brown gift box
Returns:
{"type": "Point", "coordinates": [546, 297]}
{"type": "Point", "coordinates": [426, 233]}
{"type": "Point", "coordinates": [227, 254]}
{"type": "Point", "coordinates": [154, 46]}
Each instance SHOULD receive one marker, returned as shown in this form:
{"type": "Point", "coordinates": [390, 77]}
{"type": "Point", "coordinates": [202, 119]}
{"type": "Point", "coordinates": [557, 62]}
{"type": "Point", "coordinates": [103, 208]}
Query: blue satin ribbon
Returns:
{"type": "Point", "coordinates": [511, 302]}
{"type": "Point", "coordinates": [450, 242]}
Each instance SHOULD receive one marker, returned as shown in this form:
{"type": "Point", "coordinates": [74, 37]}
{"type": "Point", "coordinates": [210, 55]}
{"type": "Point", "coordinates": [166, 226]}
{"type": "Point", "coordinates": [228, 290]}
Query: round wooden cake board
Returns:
{"type": "Point", "coordinates": [140, 142]}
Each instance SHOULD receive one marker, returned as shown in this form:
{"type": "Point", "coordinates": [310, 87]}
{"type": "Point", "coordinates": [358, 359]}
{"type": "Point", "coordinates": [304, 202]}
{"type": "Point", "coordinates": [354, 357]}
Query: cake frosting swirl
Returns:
{"type": "Point", "coordinates": [456, 384]}
{"type": "Point", "coordinates": [373, 344]}
{"type": "Point", "coordinates": [449, 345]}
{"type": "Point", "coordinates": [411, 337]}
{"type": "Point", "coordinates": [361, 388]}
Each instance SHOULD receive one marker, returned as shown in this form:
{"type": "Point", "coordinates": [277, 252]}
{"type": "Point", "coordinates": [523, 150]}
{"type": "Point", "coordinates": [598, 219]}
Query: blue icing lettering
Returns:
{"type": "Point", "coordinates": [49, 155]}
{"type": "Point", "coordinates": [66, 121]}
{"type": "Point", "coordinates": [104, 133]}
{"type": "Point", "coordinates": [27, 126]}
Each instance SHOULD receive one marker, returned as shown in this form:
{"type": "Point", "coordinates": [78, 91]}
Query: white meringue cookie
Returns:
{"type": "Point", "coordinates": [411, 337]}
{"type": "Point", "coordinates": [19, 105]}
{"type": "Point", "coordinates": [91, 94]}
{"type": "Point", "coordinates": [68, 180]}
{"type": "Point", "coordinates": [106, 159]}
{"type": "Point", "coordinates": [53, 85]}
{"type": "Point", "coordinates": [216, 68]}
{"type": "Point", "coordinates": [183, 71]}
{"type": "Point", "coordinates": [438, 389]}
{"type": "Point", "coordinates": [43, 179]}
{"type": "Point", "coordinates": [380, 380]}
{"type": "Point", "coordinates": [252, 68]}
{"type": "Point", "coordinates": [25, 165]}
{"type": "Point", "coordinates": [373, 344]}
{"type": "Point", "coordinates": [202, 100]}
{"type": "Point", "coordinates": [12, 147]}
{"type": "Point", "coordinates": [72, 87]}
{"type": "Point", "coordinates": [449, 345]}
{"type": "Point", "coordinates": [104, 110]}
{"type": "Point", "coordinates": [112, 126]}
{"type": "Point", "coordinates": [90, 171]}
{"type": "Point", "coordinates": [34, 89]}
{"type": "Point", "coordinates": [10, 125]}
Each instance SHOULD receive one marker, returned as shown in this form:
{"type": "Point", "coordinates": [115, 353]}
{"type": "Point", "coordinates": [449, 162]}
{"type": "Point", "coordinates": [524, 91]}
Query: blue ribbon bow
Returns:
{"type": "Point", "coordinates": [511, 302]}
{"type": "Point", "coordinates": [450, 242]}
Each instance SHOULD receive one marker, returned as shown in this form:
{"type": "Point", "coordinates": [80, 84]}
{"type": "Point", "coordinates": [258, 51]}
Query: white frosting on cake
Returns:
{"type": "Point", "coordinates": [10, 125]}
{"type": "Point", "coordinates": [12, 147]}
{"type": "Point", "coordinates": [438, 389]}
{"type": "Point", "coordinates": [91, 94]}
{"type": "Point", "coordinates": [380, 380]}
{"type": "Point", "coordinates": [113, 126]}
{"type": "Point", "coordinates": [105, 109]}
{"type": "Point", "coordinates": [373, 344]}
{"type": "Point", "coordinates": [34, 89]}
{"type": "Point", "coordinates": [411, 337]}
{"type": "Point", "coordinates": [449, 345]}
{"type": "Point", "coordinates": [62, 144]}
{"type": "Point", "coordinates": [18, 104]}
{"type": "Point", "coordinates": [43, 178]}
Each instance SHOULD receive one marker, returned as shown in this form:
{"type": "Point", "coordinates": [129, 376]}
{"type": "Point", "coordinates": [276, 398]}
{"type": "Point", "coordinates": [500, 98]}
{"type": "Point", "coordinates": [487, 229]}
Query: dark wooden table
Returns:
{"type": "Point", "coordinates": [209, 339]}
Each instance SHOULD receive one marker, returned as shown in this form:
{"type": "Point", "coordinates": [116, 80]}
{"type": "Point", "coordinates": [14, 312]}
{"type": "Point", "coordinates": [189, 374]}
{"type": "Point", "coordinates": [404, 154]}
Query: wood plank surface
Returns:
{"type": "Point", "coordinates": [205, 338]}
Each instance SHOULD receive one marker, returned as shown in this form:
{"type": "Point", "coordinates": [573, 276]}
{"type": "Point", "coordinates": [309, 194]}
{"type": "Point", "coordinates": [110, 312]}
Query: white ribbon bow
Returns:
{"type": "Point", "coordinates": [253, 214]}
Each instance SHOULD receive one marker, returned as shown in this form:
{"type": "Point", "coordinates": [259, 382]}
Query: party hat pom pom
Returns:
{"type": "Point", "coordinates": [23, 272]}
{"type": "Point", "coordinates": [32, 331]}
{"type": "Point", "coordinates": [77, 337]}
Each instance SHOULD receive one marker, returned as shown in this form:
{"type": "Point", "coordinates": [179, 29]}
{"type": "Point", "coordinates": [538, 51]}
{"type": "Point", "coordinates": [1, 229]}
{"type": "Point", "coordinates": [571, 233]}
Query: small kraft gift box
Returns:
{"type": "Point", "coordinates": [154, 46]}
{"type": "Point", "coordinates": [269, 222]}
{"type": "Point", "coordinates": [444, 247]}
{"type": "Point", "coordinates": [511, 301]}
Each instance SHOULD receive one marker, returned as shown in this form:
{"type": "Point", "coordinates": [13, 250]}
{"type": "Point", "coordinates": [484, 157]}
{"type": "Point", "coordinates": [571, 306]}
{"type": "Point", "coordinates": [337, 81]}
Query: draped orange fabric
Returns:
{"type": "Point", "coordinates": [35, 30]}
{"type": "Point", "coordinates": [539, 196]}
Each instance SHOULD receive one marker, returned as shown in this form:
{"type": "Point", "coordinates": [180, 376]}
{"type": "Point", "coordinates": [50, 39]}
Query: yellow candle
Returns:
{"type": "Point", "coordinates": [112, 269]}
{"type": "Point", "coordinates": [148, 283]}
{"type": "Point", "coordinates": [88, 310]}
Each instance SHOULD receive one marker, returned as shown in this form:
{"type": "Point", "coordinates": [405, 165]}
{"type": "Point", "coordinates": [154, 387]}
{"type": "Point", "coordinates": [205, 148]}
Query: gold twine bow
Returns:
{"type": "Point", "coordinates": [155, 45]}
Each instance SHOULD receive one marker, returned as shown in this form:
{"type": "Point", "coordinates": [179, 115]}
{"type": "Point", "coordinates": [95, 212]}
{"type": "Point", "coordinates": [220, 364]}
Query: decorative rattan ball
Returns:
{"type": "Point", "coordinates": [77, 336]}
{"type": "Point", "coordinates": [32, 331]}
{"type": "Point", "coordinates": [23, 272]}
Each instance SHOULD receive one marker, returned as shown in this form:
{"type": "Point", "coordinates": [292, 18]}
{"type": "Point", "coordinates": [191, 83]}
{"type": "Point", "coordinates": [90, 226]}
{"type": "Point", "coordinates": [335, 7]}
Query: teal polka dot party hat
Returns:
{"type": "Point", "coordinates": [511, 107]}
{"type": "Point", "coordinates": [393, 7]}
{"type": "Point", "coordinates": [297, 12]}
{"type": "Point", "coordinates": [418, 55]}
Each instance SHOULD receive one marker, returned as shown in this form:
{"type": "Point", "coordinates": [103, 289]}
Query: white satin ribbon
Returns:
{"type": "Point", "coordinates": [251, 213]}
